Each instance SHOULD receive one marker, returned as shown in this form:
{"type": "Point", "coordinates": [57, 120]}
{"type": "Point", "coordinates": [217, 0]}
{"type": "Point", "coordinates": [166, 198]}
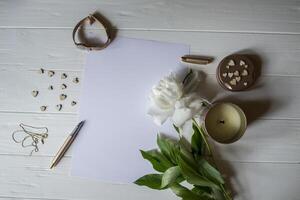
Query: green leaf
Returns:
{"type": "Point", "coordinates": [170, 176]}
{"type": "Point", "coordinates": [159, 161]}
{"type": "Point", "coordinates": [194, 177]}
{"type": "Point", "coordinates": [197, 141]}
{"type": "Point", "coordinates": [168, 148]}
{"type": "Point", "coordinates": [203, 136]}
{"type": "Point", "coordinates": [183, 143]}
{"type": "Point", "coordinates": [150, 180]}
{"type": "Point", "coordinates": [203, 191]}
{"type": "Point", "coordinates": [209, 171]}
{"type": "Point", "coordinates": [185, 193]}
{"type": "Point", "coordinates": [188, 157]}
{"type": "Point", "coordinates": [218, 195]}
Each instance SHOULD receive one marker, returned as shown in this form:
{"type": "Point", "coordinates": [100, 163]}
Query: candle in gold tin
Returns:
{"type": "Point", "coordinates": [225, 122]}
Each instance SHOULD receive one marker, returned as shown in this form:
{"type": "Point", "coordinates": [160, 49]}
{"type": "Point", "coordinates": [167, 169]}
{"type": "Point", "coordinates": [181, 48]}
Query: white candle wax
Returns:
{"type": "Point", "coordinates": [225, 122]}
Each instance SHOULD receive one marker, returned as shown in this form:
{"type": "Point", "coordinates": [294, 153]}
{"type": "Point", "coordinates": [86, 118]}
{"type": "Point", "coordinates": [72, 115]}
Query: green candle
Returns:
{"type": "Point", "coordinates": [225, 122]}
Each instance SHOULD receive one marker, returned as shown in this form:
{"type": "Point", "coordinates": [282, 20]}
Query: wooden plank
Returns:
{"type": "Point", "coordinates": [23, 51]}
{"type": "Point", "coordinates": [273, 97]}
{"type": "Point", "coordinates": [59, 126]}
{"type": "Point", "coordinates": [264, 141]}
{"type": "Point", "coordinates": [278, 54]}
{"type": "Point", "coordinates": [31, 49]}
{"type": "Point", "coordinates": [22, 198]}
{"type": "Point", "coordinates": [29, 177]}
{"type": "Point", "coordinates": [216, 15]}
{"type": "Point", "coordinates": [276, 97]}
{"type": "Point", "coordinates": [17, 86]}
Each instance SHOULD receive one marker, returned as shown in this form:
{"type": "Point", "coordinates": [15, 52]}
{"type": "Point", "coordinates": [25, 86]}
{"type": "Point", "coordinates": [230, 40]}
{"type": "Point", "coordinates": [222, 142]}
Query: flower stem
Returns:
{"type": "Point", "coordinates": [203, 137]}
{"type": "Point", "coordinates": [227, 197]}
{"type": "Point", "coordinates": [225, 193]}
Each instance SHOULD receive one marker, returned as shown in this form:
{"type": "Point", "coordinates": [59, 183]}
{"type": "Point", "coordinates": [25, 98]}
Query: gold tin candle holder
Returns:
{"type": "Point", "coordinates": [225, 122]}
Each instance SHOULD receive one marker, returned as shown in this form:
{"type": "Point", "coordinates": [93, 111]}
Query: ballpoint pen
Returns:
{"type": "Point", "coordinates": [63, 149]}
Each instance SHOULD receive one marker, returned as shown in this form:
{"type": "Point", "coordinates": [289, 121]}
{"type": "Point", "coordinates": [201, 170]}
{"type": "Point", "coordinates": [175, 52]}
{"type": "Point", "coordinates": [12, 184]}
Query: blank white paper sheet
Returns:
{"type": "Point", "coordinates": [116, 85]}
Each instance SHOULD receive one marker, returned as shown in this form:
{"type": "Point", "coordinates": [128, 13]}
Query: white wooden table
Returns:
{"type": "Point", "coordinates": [264, 164]}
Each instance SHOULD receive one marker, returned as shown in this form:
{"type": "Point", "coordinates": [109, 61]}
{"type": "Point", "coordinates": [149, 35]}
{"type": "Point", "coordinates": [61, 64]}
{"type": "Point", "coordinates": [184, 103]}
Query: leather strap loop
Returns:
{"type": "Point", "coordinates": [92, 19]}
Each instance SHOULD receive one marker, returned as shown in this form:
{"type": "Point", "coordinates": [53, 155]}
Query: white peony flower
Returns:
{"type": "Point", "coordinates": [186, 108]}
{"type": "Point", "coordinates": [163, 98]}
{"type": "Point", "coordinates": [167, 100]}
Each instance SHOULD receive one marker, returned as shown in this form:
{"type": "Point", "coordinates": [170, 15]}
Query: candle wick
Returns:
{"type": "Point", "coordinates": [222, 122]}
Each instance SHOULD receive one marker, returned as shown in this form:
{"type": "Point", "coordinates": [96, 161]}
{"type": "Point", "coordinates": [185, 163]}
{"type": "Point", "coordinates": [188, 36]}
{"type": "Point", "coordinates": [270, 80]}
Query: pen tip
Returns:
{"type": "Point", "coordinates": [52, 165]}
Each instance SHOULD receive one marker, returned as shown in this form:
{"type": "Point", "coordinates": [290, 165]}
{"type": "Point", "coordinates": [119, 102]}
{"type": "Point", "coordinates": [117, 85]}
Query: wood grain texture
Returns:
{"type": "Point", "coordinates": [215, 15]}
{"type": "Point", "coordinates": [59, 126]}
{"type": "Point", "coordinates": [278, 53]}
{"type": "Point", "coordinates": [16, 93]}
{"type": "Point", "coordinates": [30, 177]}
{"type": "Point", "coordinates": [259, 144]}
{"type": "Point", "coordinates": [264, 164]}
{"type": "Point", "coordinates": [273, 97]}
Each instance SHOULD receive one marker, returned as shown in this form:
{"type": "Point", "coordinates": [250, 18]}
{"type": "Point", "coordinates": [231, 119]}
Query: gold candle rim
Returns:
{"type": "Point", "coordinates": [240, 132]}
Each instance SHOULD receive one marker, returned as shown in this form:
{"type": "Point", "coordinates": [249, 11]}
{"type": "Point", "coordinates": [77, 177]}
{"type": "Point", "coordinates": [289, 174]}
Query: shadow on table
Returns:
{"type": "Point", "coordinates": [253, 109]}
{"type": "Point", "coordinates": [228, 173]}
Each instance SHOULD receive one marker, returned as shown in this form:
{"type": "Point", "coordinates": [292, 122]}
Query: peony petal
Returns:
{"type": "Point", "coordinates": [187, 130]}
{"type": "Point", "coordinates": [160, 119]}
{"type": "Point", "coordinates": [196, 105]}
{"type": "Point", "coordinates": [160, 101]}
{"type": "Point", "coordinates": [159, 115]}
{"type": "Point", "coordinates": [181, 115]}
{"type": "Point", "coordinates": [186, 108]}
{"type": "Point", "coordinates": [163, 97]}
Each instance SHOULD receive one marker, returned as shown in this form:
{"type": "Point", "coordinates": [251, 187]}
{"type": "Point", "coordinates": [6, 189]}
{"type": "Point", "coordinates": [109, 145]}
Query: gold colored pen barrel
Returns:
{"type": "Point", "coordinates": [61, 152]}
{"type": "Point", "coordinates": [63, 149]}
